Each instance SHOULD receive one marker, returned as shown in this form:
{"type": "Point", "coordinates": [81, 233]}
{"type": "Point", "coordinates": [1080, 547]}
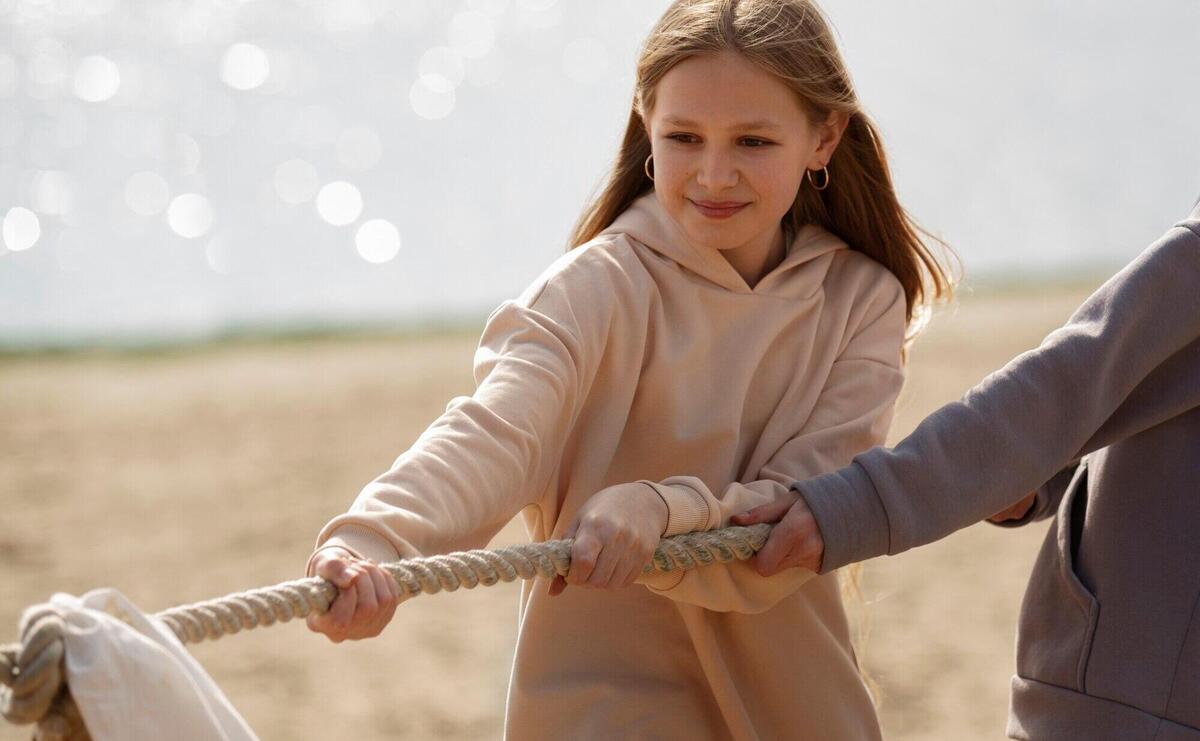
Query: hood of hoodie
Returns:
{"type": "Point", "coordinates": [649, 223]}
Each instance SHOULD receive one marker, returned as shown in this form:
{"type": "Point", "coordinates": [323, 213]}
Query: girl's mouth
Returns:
{"type": "Point", "coordinates": [718, 209]}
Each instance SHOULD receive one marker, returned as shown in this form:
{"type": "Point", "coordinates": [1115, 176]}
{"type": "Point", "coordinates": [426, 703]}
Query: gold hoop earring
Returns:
{"type": "Point", "coordinates": [646, 167]}
{"type": "Point", "coordinates": [824, 183]}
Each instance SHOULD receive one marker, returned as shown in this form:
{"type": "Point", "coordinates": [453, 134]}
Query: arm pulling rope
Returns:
{"type": "Point", "coordinates": [32, 686]}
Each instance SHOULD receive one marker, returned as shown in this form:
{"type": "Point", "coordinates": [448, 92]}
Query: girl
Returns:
{"type": "Point", "coordinates": [733, 309]}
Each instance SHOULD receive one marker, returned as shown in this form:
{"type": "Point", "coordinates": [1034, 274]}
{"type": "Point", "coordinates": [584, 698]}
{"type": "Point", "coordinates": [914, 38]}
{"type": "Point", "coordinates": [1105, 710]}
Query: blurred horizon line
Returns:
{"type": "Point", "coordinates": [316, 327]}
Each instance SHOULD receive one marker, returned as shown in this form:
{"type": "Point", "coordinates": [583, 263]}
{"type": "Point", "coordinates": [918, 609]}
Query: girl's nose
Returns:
{"type": "Point", "coordinates": [716, 171]}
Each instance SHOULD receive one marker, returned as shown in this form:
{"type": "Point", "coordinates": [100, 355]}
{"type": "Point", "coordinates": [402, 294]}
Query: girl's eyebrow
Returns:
{"type": "Point", "coordinates": [759, 124]}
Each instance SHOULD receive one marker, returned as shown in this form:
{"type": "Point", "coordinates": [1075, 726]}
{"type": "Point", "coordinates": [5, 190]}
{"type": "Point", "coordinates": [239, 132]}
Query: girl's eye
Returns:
{"type": "Point", "coordinates": [749, 141]}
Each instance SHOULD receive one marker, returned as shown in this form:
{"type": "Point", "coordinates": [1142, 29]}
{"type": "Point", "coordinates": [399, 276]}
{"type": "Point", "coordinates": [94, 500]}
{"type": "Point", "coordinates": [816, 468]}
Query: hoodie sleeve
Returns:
{"type": "Point", "coordinates": [852, 414]}
{"type": "Point", "coordinates": [1101, 378]}
{"type": "Point", "coordinates": [492, 453]}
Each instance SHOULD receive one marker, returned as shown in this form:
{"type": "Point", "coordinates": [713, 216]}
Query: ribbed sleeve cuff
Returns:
{"type": "Point", "coordinates": [849, 514]}
{"type": "Point", "coordinates": [687, 509]}
{"type": "Point", "coordinates": [362, 541]}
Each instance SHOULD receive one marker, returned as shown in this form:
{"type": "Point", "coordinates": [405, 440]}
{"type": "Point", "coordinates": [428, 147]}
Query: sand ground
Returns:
{"type": "Point", "coordinates": [184, 475]}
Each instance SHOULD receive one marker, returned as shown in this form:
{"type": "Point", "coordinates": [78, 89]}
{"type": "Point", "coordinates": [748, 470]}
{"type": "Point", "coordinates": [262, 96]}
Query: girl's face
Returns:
{"type": "Point", "coordinates": [731, 145]}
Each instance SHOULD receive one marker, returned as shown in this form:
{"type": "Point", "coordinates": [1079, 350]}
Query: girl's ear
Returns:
{"type": "Point", "coordinates": [829, 136]}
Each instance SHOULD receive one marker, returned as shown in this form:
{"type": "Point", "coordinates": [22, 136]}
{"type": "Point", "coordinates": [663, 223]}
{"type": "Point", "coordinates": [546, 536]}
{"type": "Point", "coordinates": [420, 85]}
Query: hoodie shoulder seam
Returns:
{"type": "Point", "coordinates": [592, 272]}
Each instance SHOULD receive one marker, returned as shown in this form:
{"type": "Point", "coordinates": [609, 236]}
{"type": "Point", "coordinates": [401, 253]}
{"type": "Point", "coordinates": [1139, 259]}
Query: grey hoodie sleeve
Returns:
{"type": "Point", "coordinates": [1090, 383]}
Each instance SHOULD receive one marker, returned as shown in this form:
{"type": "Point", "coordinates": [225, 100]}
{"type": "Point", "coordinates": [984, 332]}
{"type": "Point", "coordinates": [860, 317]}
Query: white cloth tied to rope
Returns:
{"type": "Point", "coordinates": [133, 680]}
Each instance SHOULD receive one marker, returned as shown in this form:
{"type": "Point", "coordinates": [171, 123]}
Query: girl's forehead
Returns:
{"type": "Point", "coordinates": [724, 90]}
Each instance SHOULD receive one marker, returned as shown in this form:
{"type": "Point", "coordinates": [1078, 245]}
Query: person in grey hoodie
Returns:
{"type": "Point", "coordinates": [1103, 420]}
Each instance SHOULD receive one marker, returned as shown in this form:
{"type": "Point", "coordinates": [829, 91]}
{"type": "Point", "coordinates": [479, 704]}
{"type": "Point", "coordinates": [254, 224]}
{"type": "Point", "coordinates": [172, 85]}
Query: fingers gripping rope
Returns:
{"type": "Point", "coordinates": [32, 686]}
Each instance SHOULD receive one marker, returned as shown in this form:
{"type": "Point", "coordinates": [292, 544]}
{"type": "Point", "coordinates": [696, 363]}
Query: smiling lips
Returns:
{"type": "Point", "coordinates": [718, 209]}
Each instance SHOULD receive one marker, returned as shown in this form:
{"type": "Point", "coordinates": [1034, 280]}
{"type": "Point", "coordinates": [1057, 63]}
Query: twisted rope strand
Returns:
{"type": "Point", "coordinates": [32, 687]}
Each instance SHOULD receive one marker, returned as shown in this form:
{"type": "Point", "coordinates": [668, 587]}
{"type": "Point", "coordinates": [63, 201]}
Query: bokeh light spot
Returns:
{"type": "Point", "coordinates": [445, 61]}
{"type": "Point", "coordinates": [146, 193]}
{"type": "Point", "coordinates": [21, 229]}
{"type": "Point", "coordinates": [471, 33]}
{"type": "Point", "coordinates": [190, 215]}
{"type": "Point", "coordinates": [432, 97]}
{"type": "Point", "coordinates": [339, 203]}
{"type": "Point", "coordinates": [377, 241]}
{"type": "Point", "coordinates": [245, 66]}
{"type": "Point", "coordinates": [585, 60]}
{"type": "Point", "coordinates": [296, 181]}
{"type": "Point", "coordinates": [359, 148]}
{"type": "Point", "coordinates": [51, 192]}
{"type": "Point", "coordinates": [96, 79]}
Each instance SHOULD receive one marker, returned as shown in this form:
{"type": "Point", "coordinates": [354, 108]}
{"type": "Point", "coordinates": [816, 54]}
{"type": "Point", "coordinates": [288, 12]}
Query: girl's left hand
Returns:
{"type": "Point", "coordinates": [615, 532]}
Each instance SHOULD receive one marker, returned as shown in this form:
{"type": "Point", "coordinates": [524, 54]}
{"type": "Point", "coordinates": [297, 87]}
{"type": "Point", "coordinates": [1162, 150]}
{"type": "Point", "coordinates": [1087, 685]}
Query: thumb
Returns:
{"type": "Point", "coordinates": [337, 571]}
{"type": "Point", "coordinates": [769, 512]}
{"type": "Point", "coordinates": [558, 583]}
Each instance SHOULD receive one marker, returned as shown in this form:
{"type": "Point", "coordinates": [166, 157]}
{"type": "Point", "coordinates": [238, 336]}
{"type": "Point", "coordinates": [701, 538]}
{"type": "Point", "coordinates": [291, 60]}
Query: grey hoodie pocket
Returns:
{"type": "Point", "coordinates": [1059, 613]}
{"type": "Point", "coordinates": [1184, 703]}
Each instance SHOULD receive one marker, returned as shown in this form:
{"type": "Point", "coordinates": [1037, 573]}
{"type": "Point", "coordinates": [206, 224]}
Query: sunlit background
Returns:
{"type": "Point", "coordinates": [176, 170]}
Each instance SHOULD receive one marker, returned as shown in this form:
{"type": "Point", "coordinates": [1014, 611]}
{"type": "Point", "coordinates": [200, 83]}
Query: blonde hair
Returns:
{"type": "Point", "coordinates": [792, 40]}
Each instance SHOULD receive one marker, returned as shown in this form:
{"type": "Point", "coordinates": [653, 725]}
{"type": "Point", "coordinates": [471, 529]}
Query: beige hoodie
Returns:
{"type": "Point", "coordinates": [638, 356]}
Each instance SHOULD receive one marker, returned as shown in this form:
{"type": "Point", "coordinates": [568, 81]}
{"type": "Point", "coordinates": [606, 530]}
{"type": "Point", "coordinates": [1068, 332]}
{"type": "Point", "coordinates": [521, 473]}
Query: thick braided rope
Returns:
{"type": "Point", "coordinates": [429, 575]}
{"type": "Point", "coordinates": [31, 673]}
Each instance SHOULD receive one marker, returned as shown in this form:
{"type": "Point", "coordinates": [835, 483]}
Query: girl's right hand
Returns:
{"type": "Point", "coordinates": [367, 597]}
{"type": "Point", "coordinates": [794, 542]}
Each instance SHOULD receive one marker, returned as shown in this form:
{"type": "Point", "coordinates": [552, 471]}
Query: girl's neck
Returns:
{"type": "Point", "coordinates": [756, 259]}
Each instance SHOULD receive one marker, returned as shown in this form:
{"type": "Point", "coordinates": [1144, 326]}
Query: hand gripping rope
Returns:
{"type": "Point", "coordinates": [32, 676]}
